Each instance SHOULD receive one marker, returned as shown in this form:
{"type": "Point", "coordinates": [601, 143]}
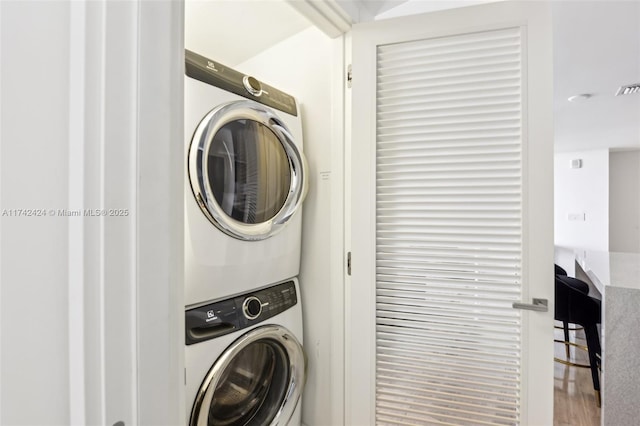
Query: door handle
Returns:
{"type": "Point", "coordinates": [540, 305]}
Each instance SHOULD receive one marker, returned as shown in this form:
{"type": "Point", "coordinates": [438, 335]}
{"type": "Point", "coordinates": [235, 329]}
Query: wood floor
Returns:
{"type": "Point", "coordinates": [574, 398]}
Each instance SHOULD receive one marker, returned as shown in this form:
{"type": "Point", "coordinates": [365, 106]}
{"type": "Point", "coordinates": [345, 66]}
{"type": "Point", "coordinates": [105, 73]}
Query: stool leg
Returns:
{"type": "Point", "coordinates": [593, 343]}
{"type": "Point", "coordinates": [565, 326]}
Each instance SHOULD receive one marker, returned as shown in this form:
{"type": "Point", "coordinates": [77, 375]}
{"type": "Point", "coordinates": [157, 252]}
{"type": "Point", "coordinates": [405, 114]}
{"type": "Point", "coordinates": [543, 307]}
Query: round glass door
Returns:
{"type": "Point", "coordinates": [256, 382]}
{"type": "Point", "coordinates": [247, 174]}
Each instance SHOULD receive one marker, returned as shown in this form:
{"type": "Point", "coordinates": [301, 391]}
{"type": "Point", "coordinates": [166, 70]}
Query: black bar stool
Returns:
{"type": "Point", "coordinates": [574, 305]}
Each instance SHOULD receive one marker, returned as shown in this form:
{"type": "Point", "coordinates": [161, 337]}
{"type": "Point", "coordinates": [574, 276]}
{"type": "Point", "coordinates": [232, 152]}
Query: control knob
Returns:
{"type": "Point", "coordinates": [252, 85]}
{"type": "Point", "coordinates": [252, 307]}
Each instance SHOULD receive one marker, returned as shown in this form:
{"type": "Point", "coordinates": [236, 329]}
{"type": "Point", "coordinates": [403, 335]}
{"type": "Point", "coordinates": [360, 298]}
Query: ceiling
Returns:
{"type": "Point", "coordinates": [596, 50]}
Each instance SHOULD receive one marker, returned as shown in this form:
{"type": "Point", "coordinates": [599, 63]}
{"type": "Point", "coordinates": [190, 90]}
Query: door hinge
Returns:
{"type": "Point", "coordinates": [349, 263]}
{"type": "Point", "coordinates": [349, 76]}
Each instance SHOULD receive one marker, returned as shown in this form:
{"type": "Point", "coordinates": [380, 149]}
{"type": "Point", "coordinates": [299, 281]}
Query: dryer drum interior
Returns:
{"type": "Point", "coordinates": [257, 381]}
{"type": "Point", "coordinates": [246, 172]}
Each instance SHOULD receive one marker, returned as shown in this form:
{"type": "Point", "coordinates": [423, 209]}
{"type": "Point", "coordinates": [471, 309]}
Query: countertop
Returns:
{"type": "Point", "coordinates": [607, 269]}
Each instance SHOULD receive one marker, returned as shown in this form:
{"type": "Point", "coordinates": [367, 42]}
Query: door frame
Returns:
{"type": "Point", "coordinates": [126, 273]}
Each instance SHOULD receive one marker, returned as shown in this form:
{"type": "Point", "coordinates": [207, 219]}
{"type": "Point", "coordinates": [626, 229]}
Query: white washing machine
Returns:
{"type": "Point", "coordinates": [246, 181]}
{"type": "Point", "coordinates": [244, 361]}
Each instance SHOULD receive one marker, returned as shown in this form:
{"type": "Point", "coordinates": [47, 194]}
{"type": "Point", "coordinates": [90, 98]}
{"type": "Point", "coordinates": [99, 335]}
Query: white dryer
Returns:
{"type": "Point", "coordinates": [246, 181]}
{"type": "Point", "coordinates": [244, 361]}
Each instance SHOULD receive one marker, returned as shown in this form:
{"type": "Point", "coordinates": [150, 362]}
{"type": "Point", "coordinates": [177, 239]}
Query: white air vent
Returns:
{"type": "Point", "coordinates": [629, 89]}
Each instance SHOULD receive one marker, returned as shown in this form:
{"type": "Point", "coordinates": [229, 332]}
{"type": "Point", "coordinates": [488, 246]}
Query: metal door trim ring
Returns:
{"type": "Point", "coordinates": [198, 165]}
{"type": "Point", "coordinates": [296, 368]}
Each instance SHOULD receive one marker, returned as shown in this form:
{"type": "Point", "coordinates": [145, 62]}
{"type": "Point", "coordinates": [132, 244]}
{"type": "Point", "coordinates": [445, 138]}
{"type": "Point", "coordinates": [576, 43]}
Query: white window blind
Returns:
{"type": "Point", "coordinates": [449, 230]}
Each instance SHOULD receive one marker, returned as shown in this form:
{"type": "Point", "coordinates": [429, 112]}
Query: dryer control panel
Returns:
{"type": "Point", "coordinates": [224, 317]}
{"type": "Point", "coordinates": [216, 74]}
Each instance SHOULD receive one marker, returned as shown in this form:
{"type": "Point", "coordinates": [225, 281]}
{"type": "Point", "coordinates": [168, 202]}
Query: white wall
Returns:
{"type": "Point", "coordinates": [582, 191]}
{"type": "Point", "coordinates": [624, 201]}
{"type": "Point", "coordinates": [303, 66]}
{"type": "Point", "coordinates": [232, 31]}
{"type": "Point", "coordinates": [34, 159]}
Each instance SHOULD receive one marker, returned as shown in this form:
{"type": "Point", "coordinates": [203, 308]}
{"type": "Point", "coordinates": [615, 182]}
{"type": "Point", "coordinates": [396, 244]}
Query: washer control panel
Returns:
{"type": "Point", "coordinates": [224, 317]}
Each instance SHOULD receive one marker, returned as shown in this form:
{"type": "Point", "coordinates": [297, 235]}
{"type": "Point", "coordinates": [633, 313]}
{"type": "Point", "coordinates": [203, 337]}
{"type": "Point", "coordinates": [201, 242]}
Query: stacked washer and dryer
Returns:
{"type": "Point", "coordinates": [247, 179]}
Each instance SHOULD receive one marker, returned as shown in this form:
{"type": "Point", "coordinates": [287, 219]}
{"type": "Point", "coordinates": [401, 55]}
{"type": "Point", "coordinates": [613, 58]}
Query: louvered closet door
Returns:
{"type": "Point", "coordinates": [449, 229]}
{"type": "Point", "coordinates": [450, 168]}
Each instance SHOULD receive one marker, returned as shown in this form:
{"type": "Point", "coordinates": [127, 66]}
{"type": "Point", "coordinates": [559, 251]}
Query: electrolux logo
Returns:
{"type": "Point", "coordinates": [211, 65]}
{"type": "Point", "coordinates": [211, 316]}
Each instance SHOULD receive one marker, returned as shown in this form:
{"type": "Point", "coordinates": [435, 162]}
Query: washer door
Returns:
{"type": "Point", "coordinates": [246, 172]}
{"type": "Point", "coordinates": [257, 381]}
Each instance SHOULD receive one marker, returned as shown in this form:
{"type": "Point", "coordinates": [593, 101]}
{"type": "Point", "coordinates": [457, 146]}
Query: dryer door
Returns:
{"type": "Point", "coordinates": [257, 381]}
{"type": "Point", "coordinates": [246, 172]}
